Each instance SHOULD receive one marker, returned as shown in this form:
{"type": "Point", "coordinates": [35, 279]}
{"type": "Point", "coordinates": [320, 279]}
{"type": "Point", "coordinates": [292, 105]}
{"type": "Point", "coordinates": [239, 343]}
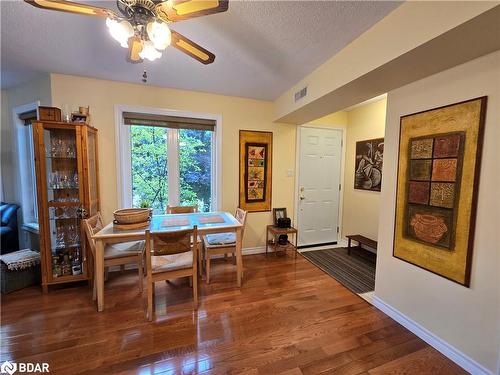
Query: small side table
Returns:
{"type": "Point", "coordinates": [274, 231]}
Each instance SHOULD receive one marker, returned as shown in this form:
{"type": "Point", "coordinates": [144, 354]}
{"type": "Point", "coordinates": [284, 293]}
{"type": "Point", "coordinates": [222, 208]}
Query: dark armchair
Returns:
{"type": "Point", "coordinates": [8, 228]}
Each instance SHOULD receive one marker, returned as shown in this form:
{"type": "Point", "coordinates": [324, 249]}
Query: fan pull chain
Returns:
{"type": "Point", "coordinates": [145, 77]}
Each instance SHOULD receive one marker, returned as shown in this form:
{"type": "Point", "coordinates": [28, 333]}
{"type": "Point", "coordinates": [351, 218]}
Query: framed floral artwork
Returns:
{"type": "Point", "coordinates": [255, 170]}
{"type": "Point", "coordinates": [438, 178]}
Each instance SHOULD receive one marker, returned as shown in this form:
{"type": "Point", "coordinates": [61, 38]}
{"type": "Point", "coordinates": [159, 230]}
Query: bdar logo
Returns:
{"type": "Point", "coordinates": [8, 368]}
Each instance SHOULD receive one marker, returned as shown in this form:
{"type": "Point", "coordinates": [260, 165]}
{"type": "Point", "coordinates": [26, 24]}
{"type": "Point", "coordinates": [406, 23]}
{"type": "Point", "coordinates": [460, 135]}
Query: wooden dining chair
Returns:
{"type": "Point", "coordinates": [181, 209]}
{"type": "Point", "coordinates": [117, 254]}
{"type": "Point", "coordinates": [222, 243]}
{"type": "Point", "coordinates": [170, 255]}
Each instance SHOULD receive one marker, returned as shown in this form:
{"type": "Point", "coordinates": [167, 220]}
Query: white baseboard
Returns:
{"type": "Point", "coordinates": [430, 338]}
{"type": "Point", "coordinates": [368, 297]}
{"type": "Point", "coordinates": [254, 250]}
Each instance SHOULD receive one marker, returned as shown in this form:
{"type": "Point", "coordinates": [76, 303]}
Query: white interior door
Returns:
{"type": "Point", "coordinates": [319, 185]}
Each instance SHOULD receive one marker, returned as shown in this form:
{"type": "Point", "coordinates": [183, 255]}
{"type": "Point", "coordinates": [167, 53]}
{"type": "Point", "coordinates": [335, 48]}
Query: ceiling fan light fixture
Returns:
{"type": "Point", "coordinates": [120, 30]}
{"type": "Point", "coordinates": [142, 26]}
{"type": "Point", "coordinates": [149, 51]}
{"type": "Point", "coordinates": [159, 34]}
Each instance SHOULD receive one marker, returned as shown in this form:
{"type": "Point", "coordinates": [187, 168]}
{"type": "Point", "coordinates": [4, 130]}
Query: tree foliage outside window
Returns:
{"type": "Point", "coordinates": [150, 167]}
{"type": "Point", "coordinates": [195, 167]}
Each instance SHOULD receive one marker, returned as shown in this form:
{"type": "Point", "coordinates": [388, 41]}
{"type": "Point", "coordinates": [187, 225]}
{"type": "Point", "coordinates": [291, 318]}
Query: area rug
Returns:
{"type": "Point", "coordinates": [356, 271]}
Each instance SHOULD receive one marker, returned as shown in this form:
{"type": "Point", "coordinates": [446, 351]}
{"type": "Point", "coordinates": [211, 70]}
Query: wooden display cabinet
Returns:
{"type": "Point", "coordinates": [66, 164]}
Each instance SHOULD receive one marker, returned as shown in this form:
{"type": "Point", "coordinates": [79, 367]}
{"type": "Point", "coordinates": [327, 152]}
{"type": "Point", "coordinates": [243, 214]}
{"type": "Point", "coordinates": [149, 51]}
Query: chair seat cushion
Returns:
{"type": "Point", "coordinates": [172, 262]}
{"type": "Point", "coordinates": [123, 249]}
{"type": "Point", "coordinates": [218, 239]}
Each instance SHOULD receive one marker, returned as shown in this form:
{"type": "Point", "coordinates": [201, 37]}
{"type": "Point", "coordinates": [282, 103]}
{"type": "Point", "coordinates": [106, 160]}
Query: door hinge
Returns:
{"type": "Point", "coordinates": [337, 229]}
{"type": "Point", "coordinates": [340, 187]}
{"type": "Point", "coordinates": [341, 143]}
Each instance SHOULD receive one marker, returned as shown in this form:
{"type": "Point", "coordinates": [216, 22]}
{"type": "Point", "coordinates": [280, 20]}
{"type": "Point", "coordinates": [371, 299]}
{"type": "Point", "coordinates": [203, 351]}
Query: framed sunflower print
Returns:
{"type": "Point", "coordinates": [437, 188]}
{"type": "Point", "coordinates": [255, 170]}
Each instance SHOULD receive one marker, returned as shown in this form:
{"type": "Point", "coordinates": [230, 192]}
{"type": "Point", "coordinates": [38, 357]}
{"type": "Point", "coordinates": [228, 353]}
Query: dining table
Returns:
{"type": "Point", "coordinates": [206, 222]}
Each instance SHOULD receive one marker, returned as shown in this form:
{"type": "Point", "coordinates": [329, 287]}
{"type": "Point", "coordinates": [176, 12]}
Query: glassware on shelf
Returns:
{"type": "Point", "coordinates": [60, 243]}
{"type": "Point", "coordinates": [73, 234]}
{"type": "Point", "coordinates": [63, 180]}
{"type": "Point", "coordinates": [66, 265]}
{"type": "Point", "coordinates": [62, 147]}
{"type": "Point", "coordinates": [56, 267]}
{"type": "Point", "coordinates": [76, 265]}
{"type": "Point", "coordinates": [65, 236]}
{"type": "Point", "coordinates": [66, 113]}
{"type": "Point", "coordinates": [61, 213]}
{"type": "Point", "coordinates": [64, 199]}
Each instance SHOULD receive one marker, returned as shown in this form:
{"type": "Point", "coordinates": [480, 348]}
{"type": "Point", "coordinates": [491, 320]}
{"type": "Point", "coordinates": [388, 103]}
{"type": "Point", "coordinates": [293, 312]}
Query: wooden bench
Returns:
{"type": "Point", "coordinates": [361, 240]}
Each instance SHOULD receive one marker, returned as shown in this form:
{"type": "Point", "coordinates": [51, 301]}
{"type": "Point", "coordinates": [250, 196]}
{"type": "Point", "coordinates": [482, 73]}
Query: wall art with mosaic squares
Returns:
{"type": "Point", "coordinates": [435, 166]}
{"type": "Point", "coordinates": [437, 187]}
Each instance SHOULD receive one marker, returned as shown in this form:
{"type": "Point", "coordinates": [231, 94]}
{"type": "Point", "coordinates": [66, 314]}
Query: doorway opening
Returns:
{"type": "Point", "coordinates": [319, 185]}
{"type": "Point", "coordinates": [338, 187]}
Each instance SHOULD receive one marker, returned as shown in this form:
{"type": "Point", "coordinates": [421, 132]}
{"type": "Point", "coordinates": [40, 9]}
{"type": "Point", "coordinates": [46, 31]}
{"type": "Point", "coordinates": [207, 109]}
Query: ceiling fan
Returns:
{"type": "Point", "coordinates": [143, 27]}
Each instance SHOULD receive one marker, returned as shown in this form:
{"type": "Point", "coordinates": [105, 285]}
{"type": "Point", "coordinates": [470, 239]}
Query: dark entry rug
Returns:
{"type": "Point", "coordinates": [356, 271]}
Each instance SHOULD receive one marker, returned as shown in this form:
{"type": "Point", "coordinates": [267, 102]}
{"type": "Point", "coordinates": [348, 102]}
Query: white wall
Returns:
{"type": "Point", "coordinates": [37, 89]}
{"type": "Point", "coordinates": [466, 318]}
{"type": "Point", "coordinates": [5, 142]}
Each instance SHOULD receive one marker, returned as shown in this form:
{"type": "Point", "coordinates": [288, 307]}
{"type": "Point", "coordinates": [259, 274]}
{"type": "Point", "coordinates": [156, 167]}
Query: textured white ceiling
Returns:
{"type": "Point", "coordinates": [262, 47]}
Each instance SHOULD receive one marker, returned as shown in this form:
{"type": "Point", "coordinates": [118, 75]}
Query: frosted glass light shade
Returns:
{"type": "Point", "coordinates": [121, 31]}
{"type": "Point", "coordinates": [159, 34]}
{"type": "Point", "coordinates": [149, 51]}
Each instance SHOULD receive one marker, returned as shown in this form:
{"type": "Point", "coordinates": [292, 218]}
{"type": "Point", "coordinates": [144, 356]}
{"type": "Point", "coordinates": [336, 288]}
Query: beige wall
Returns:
{"type": "Point", "coordinates": [237, 113]}
{"type": "Point", "coordinates": [337, 120]}
{"type": "Point", "coordinates": [361, 207]}
{"type": "Point", "coordinates": [466, 318]}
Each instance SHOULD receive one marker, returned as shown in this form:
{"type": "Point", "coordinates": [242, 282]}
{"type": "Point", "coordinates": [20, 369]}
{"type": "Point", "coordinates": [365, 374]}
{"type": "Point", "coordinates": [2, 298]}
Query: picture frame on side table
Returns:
{"type": "Point", "coordinates": [278, 213]}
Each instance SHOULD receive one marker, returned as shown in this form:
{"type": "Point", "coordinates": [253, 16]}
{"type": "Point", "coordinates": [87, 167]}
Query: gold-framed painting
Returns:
{"type": "Point", "coordinates": [437, 186]}
{"type": "Point", "coordinates": [256, 155]}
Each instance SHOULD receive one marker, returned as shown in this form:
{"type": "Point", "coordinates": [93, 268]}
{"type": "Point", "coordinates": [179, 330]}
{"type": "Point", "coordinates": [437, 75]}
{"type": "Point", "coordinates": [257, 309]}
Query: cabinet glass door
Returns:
{"type": "Point", "coordinates": [93, 185]}
{"type": "Point", "coordinates": [64, 202]}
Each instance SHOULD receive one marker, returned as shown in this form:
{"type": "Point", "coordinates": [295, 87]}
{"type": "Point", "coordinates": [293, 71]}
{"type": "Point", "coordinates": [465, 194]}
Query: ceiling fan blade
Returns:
{"type": "Point", "coordinates": [134, 48]}
{"type": "Point", "coordinates": [71, 7]}
{"type": "Point", "coordinates": [191, 48]}
{"type": "Point", "coordinates": [178, 10]}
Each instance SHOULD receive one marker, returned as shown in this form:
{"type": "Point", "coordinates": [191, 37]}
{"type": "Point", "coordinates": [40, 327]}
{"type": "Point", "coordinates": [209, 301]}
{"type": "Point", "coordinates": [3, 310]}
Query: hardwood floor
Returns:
{"type": "Point", "coordinates": [288, 318]}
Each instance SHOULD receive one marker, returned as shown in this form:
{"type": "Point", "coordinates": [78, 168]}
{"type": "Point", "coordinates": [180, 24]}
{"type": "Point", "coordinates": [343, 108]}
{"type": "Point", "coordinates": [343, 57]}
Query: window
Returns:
{"type": "Point", "coordinates": [26, 166]}
{"type": "Point", "coordinates": [167, 160]}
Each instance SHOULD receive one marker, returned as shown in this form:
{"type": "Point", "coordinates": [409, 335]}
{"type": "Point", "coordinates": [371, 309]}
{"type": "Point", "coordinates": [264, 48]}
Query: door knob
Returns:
{"type": "Point", "coordinates": [302, 197]}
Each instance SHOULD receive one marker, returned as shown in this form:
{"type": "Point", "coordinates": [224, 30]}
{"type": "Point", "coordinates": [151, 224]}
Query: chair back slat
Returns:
{"type": "Point", "coordinates": [181, 209]}
{"type": "Point", "coordinates": [241, 216]}
{"type": "Point", "coordinates": [169, 243]}
{"type": "Point", "coordinates": [92, 225]}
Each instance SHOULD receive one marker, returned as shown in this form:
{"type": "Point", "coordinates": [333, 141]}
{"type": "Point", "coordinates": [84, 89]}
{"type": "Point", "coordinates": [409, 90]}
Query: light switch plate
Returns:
{"type": "Point", "coordinates": [289, 172]}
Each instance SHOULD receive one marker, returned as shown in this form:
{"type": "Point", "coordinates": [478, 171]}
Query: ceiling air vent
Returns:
{"type": "Point", "coordinates": [300, 94]}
